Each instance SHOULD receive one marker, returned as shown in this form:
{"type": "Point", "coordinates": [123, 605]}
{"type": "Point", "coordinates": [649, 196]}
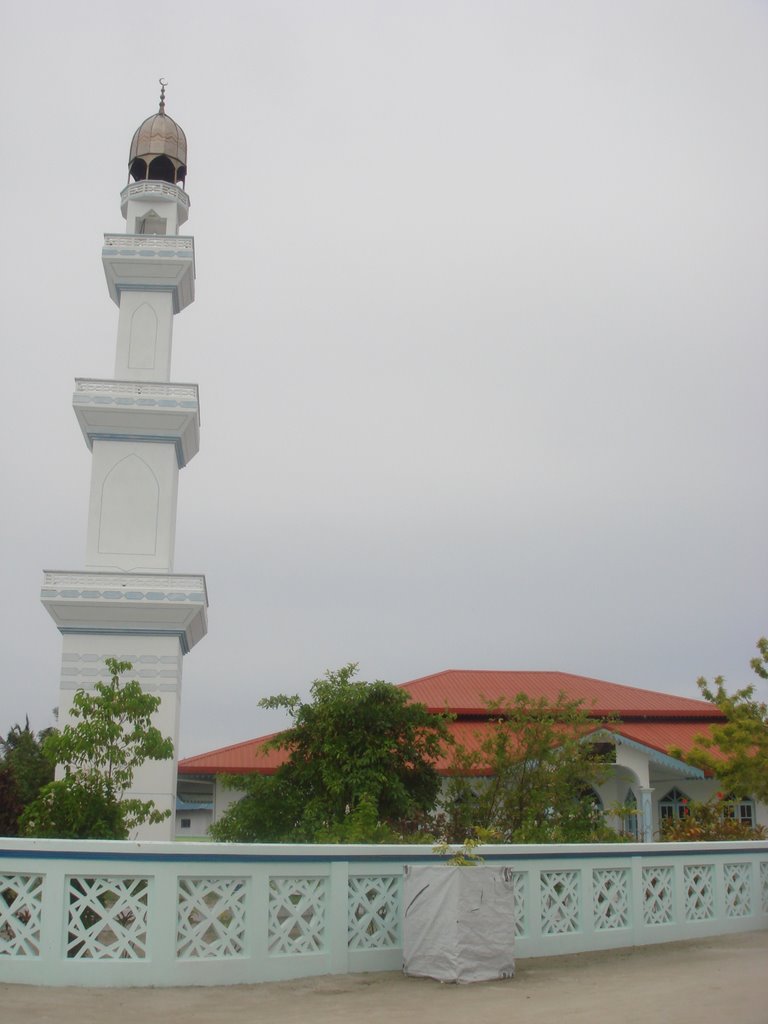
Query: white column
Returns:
{"type": "Point", "coordinates": [646, 814]}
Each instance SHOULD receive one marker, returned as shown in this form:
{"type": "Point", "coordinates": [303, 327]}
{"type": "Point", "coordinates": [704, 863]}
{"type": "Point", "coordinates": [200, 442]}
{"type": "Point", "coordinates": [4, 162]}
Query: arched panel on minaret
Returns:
{"type": "Point", "coordinates": [142, 346]}
{"type": "Point", "coordinates": [130, 498]}
{"type": "Point", "coordinates": [151, 223]}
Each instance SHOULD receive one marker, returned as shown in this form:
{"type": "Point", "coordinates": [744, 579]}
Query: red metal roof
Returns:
{"type": "Point", "coordinates": [237, 759]}
{"type": "Point", "coordinates": [468, 692]}
{"type": "Point", "coordinates": [657, 720]}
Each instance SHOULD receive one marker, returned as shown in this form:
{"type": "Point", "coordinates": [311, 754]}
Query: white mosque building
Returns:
{"type": "Point", "coordinates": [127, 602]}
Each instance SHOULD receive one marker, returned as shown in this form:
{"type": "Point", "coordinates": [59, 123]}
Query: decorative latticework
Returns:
{"type": "Point", "coordinates": [764, 886]}
{"type": "Point", "coordinates": [658, 899]}
{"type": "Point", "coordinates": [374, 911]}
{"type": "Point", "coordinates": [20, 907]}
{"type": "Point", "coordinates": [610, 898]}
{"type": "Point", "coordinates": [520, 891]}
{"type": "Point", "coordinates": [211, 918]}
{"type": "Point", "coordinates": [559, 902]}
{"type": "Point", "coordinates": [297, 909]}
{"type": "Point", "coordinates": [107, 918]}
{"type": "Point", "coordinates": [373, 905]}
{"type": "Point", "coordinates": [699, 892]}
{"type": "Point", "coordinates": [737, 888]}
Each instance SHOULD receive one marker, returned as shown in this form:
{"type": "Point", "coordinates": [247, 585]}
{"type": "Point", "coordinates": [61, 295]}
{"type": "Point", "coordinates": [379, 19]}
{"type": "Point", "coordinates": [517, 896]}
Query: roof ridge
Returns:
{"type": "Point", "coordinates": [552, 672]}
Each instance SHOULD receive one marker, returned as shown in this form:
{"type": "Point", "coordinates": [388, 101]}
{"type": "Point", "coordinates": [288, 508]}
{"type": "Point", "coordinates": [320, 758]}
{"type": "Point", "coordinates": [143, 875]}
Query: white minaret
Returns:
{"type": "Point", "coordinates": [141, 429]}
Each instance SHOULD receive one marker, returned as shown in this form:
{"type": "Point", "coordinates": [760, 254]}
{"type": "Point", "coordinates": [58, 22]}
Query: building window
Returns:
{"type": "Point", "coordinates": [629, 815]}
{"type": "Point", "coordinates": [742, 810]}
{"type": "Point", "coordinates": [674, 805]}
{"type": "Point", "coordinates": [185, 823]}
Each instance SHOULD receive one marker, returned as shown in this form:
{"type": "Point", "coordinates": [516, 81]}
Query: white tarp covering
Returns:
{"type": "Point", "coordinates": [458, 922]}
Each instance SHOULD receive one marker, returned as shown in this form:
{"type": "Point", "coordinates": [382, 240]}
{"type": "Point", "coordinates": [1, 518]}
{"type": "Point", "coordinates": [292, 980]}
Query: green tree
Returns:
{"type": "Point", "coordinates": [10, 805]}
{"type": "Point", "coordinates": [736, 751]}
{"type": "Point", "coordinates": [358, 754]}
{"type": "Point", "coordinates": [528, 777]}
{"type": "Point", "coordinates": [111, 737]}
{"type": "Point", "coordinates": [24, 770]}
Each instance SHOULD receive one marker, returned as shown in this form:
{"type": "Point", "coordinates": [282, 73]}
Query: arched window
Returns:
{"type": "Point", "coordinates": [674, 805]}
{"type": "Point", "coordinates": [629, 815]}
{"type": "Point", "coordinates": [139, 169]}
{"type": "Point", "coordinates": [162, 169]}
{"type": "Point", "coordinates": [592, 797]}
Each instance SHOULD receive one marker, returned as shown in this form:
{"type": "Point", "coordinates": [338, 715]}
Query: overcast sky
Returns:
{"type": "Point", "coordinates": [480, 333]}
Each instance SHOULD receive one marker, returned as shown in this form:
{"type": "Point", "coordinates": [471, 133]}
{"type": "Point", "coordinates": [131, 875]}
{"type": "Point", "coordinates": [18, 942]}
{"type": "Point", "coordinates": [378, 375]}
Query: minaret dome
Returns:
{"type": "Point", "coordinates": [158, 148]}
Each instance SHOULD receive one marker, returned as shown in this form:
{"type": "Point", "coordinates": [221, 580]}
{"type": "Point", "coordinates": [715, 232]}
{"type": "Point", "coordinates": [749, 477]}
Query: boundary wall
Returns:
{"type": "Point", "coordinates": [103, 913]}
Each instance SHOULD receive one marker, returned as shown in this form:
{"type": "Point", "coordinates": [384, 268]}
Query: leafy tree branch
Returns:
{"type": "Point", "coordinates": [736, 751]}
{"type": "Point", "coordinates": [111, 737]}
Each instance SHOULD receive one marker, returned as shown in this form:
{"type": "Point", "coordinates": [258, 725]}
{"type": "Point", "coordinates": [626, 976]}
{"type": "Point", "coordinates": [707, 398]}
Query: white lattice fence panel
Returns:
{"type": "Point", "coordinates": [373, 905]}
{"type": "Point", "coordinates": [764, 886]}
{"type": "Point", "coordinates": [560, 902]}
{"type": "Point", "coordinates": [297, 911]}
{"type": "Point", "coordinates": [610, 898]}
{"type": "Point", "coordinates": [699, 892]}
{"type": "Point", "coordinates": [658, 898]}
{"type": "Point", "coordinates": [211, 918]}
{"type": "Point", "coordinates": [737, 887]}
{"type": "Point", "coordinates": [20, 917]}
{"type": "Point", "coordinates": [107, 918]}
{"type": "Point", "coordinates": [520, 895]}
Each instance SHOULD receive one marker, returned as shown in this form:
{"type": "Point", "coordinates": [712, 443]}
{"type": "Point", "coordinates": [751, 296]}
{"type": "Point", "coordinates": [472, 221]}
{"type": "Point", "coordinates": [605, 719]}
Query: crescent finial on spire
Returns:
{"type": "Point", "coordinates": [163, 84]}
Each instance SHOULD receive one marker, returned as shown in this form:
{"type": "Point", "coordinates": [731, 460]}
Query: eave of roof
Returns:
{"type": "Point", "coordinates": [655, 756]}
{"type": "Point", "coordinates": [652, 737]}
{"type": "Point", "coordinates": [237, 759]}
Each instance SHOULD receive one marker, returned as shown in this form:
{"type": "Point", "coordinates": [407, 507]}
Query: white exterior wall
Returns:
{"type": "Point", "coordinates": [223, 798]}
{"type": "Point", "coordinates": [636, 762]}
{"type": "Point", "coordinates": [132, 508]}
{"type": "Point", "coordinates": [199, 820]}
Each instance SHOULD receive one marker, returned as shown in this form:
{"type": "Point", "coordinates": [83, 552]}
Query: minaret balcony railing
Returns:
{"type": "Point", "coordinates": [144, 392]}
{"type": "Point", "coordinates": [163, 190]}
{"type": "Point", "coordinates": [150, 263]}
{"type": "Point", "coordinates": [128, 604]}
{"type": "Point", "coordinates": [188, 587]}
{"type": "Point", "coordinates": [150, 243]}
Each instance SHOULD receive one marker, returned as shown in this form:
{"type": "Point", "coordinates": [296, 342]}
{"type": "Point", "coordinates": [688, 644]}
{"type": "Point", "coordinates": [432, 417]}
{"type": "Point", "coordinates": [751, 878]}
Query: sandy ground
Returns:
{"type": "Point", "coordinates": [713, 981]}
